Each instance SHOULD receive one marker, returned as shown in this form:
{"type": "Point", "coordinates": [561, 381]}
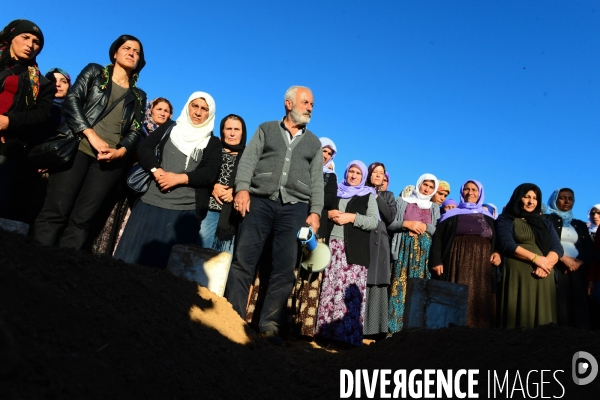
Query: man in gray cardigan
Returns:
{"type": "Point", "coordinates": [279, 188]}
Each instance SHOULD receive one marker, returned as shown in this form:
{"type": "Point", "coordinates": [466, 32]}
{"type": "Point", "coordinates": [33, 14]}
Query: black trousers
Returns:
{"type": "Point", "coordinates": [75, 193]}
{"type": "Point", "coordinates": [284, 221]}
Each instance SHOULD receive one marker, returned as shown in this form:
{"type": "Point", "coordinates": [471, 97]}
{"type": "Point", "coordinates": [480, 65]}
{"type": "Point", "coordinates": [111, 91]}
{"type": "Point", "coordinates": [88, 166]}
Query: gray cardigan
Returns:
{"type": "Point", "coordinates": [272, 167]}
{"type": "Point", "coordinates": [396, 225]}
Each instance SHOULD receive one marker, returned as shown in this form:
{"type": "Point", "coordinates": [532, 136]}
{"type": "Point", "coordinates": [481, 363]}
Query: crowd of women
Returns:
{"type": "Point", "coordinates": [524, 266]}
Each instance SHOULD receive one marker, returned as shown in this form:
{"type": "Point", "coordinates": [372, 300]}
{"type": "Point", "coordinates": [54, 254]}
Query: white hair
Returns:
{"type": "Point", "coordinates": [290, 94]}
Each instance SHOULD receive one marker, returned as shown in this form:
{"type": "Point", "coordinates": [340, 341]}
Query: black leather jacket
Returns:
{"type": "Point", "coordinates": [86, 104]}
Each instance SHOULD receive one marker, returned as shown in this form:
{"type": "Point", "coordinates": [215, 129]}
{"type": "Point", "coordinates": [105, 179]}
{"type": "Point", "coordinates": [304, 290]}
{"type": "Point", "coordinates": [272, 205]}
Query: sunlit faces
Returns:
{"type": "Point", "coordinates": [128, 55]}
{"type": "Point", "coordinates": [426, 187]}
{"type": "Point", "coordinates": [565, 200]}
{"type": "Point", "coordinates": [470, 192]}
{"type": "Point", "coordinates": [198, 111]}
{"type": "Point", "coordinates": [301, 109]}
{"type": "Point", "coordinates": [377, 176]}
{"type": "Point", "coordinates": [595, 216]}
{"type": "Point", "coordinates": [327, 154]}
{"type": "Point", "coordinates": [232, 131]}
{"type": "Point", "coordinates": [25, 46]}
{"type": "Point", "coordinates": [529, 201]}
{"type": "Point", "coordinates": [384, 187]}
{"type": "Point", "coordinates": [62, 85]}
{"type": "Point", "coordinates": [440, 196]}
{"type": "Point", "coordinates": [161, 112]}
{"type": "Point", "coordinates": [354, 176]}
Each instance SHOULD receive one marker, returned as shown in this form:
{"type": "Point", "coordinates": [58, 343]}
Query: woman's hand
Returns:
{"type": "Point", "coordinates": [222, 193]}
{"type": "Point", "coordinates": [111, 154]}
{"type": "Point", "coordinates": [438, 270]}
{"type": "Point", "coordinates": [415, 226]}
{"type": "Point", "coordinates": [590, 288]}
{"type": "Point", "coordinates": [543, 263]}
{"type": "Point", "coordinates": [100, 145]}
{"type": "Point", "coordinates": [340, 218]}
{"type": "Point", "coordinates": [495, 259]}
{"type": "Point", "coordinates": [571, 263]}
{"type": "Point", "coordinates": [168, 180]}
{"type": "Point", "coordinates": [540, 273]}
{"type": "Point", "coordinates": [158, 173]}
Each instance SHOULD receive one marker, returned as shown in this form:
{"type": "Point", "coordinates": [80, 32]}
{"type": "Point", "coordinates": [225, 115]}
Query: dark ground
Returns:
{"type": "Point", "coordinates": [77, 326]}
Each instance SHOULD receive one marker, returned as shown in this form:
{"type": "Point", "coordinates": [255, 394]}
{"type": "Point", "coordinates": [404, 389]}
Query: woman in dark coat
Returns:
{"type": "Point", "coordinates": [107, 109]}
{"type": "Point", "coordinates": [378, 277]}
{"type": "Point", "coordinates": [571, 269]}
{"type": "Point", "coordinates": [463, 252]}
{"type": "Point", "coordinates": [25, 109]}
{"type": "Point", "coordinates": [530, 248]}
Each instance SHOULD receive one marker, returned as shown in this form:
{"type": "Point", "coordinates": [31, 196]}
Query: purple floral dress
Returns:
{"type": "Point", "coordinates": [342, 303]}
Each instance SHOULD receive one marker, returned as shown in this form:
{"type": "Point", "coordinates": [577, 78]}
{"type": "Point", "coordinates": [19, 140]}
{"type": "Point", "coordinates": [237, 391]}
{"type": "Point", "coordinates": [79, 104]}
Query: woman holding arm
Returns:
{"type": "Point", "coordinates": [413, 228]}
{"type": "Point", "coordinates": [168, 213]}
{"type": "Point", "coordinates": [530, 248]}
{"type": "Point", "coordinates": [343, 293]}
{"type": "Point", "coordinates": [107, 109]}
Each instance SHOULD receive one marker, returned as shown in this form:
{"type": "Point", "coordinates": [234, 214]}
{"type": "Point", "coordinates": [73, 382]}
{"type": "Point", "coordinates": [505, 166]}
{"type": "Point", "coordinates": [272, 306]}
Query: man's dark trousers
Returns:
{"type": "Point", "coordinates": [284, 220]}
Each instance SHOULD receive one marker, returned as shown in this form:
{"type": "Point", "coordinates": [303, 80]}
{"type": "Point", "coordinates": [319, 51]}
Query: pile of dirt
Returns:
{"type": "Point", "coordinates": [77, 326]}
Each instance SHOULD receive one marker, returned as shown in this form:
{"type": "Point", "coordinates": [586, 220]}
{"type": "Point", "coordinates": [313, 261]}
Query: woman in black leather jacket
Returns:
{"type": "Point", "coordinates": [106, 108]}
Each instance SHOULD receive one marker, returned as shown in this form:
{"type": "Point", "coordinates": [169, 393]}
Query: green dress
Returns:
{"type": "Point", "coordinates": [526, 301]}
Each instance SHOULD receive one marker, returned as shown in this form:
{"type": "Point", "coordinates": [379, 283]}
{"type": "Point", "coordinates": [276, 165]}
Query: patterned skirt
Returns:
{"type": "Point", "coordinates": [470, 265]}
{"type": "Point", "coordinates": [413, 260]}
{"type": "Point", "coordinates": [343, 298]}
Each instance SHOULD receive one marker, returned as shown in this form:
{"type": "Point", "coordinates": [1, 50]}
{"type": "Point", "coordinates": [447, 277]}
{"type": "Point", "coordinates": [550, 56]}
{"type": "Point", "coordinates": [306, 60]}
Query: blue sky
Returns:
{"type": "Point", "coordinates": [502, 92]}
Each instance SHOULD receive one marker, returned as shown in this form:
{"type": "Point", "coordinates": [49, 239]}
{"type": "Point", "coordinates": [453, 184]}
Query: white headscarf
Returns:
{"type": "Point", "coordinates": [422, 201]}
{"type": "Point", "coordinates": [592, 227]}
{"type": "Point", "coordinates": [190, 138]}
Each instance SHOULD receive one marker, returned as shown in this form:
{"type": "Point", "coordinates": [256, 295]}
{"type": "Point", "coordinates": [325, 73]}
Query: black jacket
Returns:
{"type": "Point", "coordinates": [86, 104]}
{"type": "Point", "coordinates": [202, 178]}
{"type": "Point", "coordinates": [26, 117]}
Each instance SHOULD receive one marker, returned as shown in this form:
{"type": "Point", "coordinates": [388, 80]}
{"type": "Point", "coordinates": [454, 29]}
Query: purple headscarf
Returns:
{"type": "Point", "coordinates": [449, 202]}
{"type": "Point", "coordinates": [345, 191]}
{"type": "Point", "coordinates": [468, 208]}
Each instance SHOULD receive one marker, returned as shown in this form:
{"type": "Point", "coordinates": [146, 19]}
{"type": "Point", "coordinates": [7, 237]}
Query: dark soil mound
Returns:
{"type": "Point", "coordinates": [78, 326]}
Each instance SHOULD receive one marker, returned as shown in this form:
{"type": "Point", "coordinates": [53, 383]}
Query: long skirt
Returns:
{"type": "Point", "coordinates": [470, 265]}
{"type": "Point", "coordinates": [151, 233]}
{"type": "Point", "coordinates": [413, 260]}
{"type": "Point", "coordinates": [343, 298]}
{"type": "Point", "coordinates": [303, 304]}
